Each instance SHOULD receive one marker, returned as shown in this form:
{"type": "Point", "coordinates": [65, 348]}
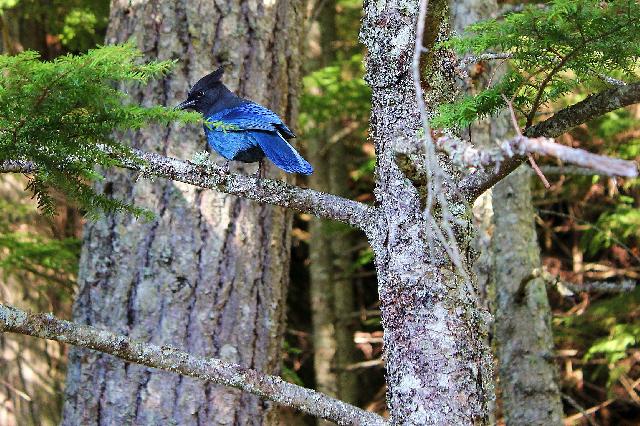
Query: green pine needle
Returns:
{"type": "Point", "coordinates": [557, 49]}
{"type": "Point", "coordinates": [59, 113]}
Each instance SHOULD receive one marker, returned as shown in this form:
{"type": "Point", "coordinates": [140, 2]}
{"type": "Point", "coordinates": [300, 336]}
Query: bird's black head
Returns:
{"type": "Point", "coordinates": [204, 93]}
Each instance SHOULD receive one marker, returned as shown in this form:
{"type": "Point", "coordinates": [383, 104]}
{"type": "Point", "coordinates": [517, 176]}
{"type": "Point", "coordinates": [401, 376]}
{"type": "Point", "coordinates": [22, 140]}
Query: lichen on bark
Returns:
{"type": "Point", "coordinates": [209, 274]}
{"type": "Point", "coordinates": [437, 362]}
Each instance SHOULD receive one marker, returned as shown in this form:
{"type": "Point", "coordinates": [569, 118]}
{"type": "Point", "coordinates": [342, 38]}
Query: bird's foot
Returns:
{"type": "Point", "coordinates": [260, 172]}
{"type": "Point", "coordinates": [225, 167]}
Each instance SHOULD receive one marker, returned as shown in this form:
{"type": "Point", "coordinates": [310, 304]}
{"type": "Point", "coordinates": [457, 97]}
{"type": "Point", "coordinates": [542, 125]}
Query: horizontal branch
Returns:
{"type": "Point", "coordinates": [17, 166]}
{"type": "Point", "coordinates": [569, 289]}
{"type": "Point", "coordinates": [320, 204]}
{"type": "Point", "coordinates": [564, 120]}
{"type": "Point", "coordinates": [570, 170]}
{"type": "Point", "coordinates": [465, 62]}
{"type": "Point", "coordinates": [46, 326]}
{"type": "Point", "coordinates": [605, 287]}
{"type": "Point", "coordinates": [465, 155]}
{"type": "Point", "coordinates": [605, 165]}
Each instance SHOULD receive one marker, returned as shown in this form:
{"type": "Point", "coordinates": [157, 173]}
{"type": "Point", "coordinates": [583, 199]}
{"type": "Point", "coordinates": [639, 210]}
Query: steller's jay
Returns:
{"type": "Point", "coordinates": [248, 131]}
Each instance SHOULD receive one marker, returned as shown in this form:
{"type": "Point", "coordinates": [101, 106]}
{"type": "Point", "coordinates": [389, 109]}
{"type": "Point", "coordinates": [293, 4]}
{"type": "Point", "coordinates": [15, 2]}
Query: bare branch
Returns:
{"type": "Point", "coordinates": [570, 170]}
{"type": "Point", "coordinates": [464, 154]}
{"type": "Point", "coordinates": [46, 326]}
{"type": "Point", "coordinates": [569, 289]}
{"type": "Point", "coordinates": [592, 107]}
{"type": "Point", "coordinates": [266, 191]}
{"type": "Point", "coordinates": [607, 165]}
{"type": "Point", "coordinates": [464, 63]}
{"type": "Point", "coordinates": [580, 408]}
{"type": "Point", "coordinates": [17, 166]}
{"type": "Point", "coordinates": [564, 120]}
{"type": "Point", "coordinates": [532, 161]}
{"type": "Point", "coordinates": [610, 80]}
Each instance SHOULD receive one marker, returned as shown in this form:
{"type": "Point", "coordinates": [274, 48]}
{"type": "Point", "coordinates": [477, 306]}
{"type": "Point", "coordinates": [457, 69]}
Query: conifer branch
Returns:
{"type": "Point", "coordinates": [594, 106]}
{"type": "Point", "coordinates": [564, 120]}
{"type": "Point", "coordinates": [320, 204]}
{"type": "Point", "coordinates": [273, 388]}
{"type": "Point", "coordinates": [465, 62]}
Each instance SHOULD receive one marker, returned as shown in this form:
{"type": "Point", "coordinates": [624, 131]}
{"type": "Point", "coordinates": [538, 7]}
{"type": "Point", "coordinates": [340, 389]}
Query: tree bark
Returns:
{"type": "Point", "coordinates": [522, 338]}
{"type": "Point", "coordinates": [209, 274]}
{"type": "Point", "coordinates": [523, 335]}
{"type": "Point", "coordinates": [436, 360]}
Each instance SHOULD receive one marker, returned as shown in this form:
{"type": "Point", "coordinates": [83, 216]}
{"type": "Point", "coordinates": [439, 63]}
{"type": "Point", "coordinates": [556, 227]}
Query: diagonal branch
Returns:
{"type": "Point", "coordinates": [592, 107]}
{"type": "Point", "coordinates": [46, 326]}
{"type": "Point", "coordinates": [320, 204]}
{"type": "Point", "coordinates": [475, 184]}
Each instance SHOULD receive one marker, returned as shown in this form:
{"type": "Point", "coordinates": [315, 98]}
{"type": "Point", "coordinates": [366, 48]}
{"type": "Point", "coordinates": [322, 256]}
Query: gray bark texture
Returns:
{"type": "Point", "coordinates": [209, 274]}
{"type": "Point", "coordinates": [523, 335]}
{"type": "Point", "coordinates": [436, 360]}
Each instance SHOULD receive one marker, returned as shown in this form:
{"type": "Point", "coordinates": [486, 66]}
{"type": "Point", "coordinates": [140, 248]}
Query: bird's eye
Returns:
{"type": "Point", "coordinates": [200, 94]}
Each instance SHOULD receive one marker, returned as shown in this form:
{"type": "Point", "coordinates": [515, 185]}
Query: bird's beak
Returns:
{"type": "Point", "coordinates": [186, 104]}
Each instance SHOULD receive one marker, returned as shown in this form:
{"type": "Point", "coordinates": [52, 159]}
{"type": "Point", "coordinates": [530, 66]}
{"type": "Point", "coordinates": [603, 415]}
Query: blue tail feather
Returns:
{"type": "Point", "coordinates": [283, 155]}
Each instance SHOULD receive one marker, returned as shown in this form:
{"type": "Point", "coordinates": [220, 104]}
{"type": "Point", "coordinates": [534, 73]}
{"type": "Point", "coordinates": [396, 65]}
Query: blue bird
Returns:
{"type": "Point", "coordinates": [241, 130]}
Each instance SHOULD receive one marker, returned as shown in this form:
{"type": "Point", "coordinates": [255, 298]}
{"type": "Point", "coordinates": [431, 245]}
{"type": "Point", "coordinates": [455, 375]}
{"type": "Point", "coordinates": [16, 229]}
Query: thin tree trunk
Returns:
{"type": "Point", "coordinates": [523, 335]}
{"type": "Point", "coordinates": [343, 293]}
{"type": "Point", "coordinates": [323, 317]}
{"type": "Point", "coordinates": [209, 274]}
{"type": "Point", "coordinates": [523, 338]}
{"type": "Point", "coordinates": [331, 291]}
{"type": "Point", "coordinates": [331, 287]}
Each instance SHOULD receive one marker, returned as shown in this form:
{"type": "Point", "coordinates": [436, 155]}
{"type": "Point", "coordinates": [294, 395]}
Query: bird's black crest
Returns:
{"type": "Point", "coordinates": [208, 80]}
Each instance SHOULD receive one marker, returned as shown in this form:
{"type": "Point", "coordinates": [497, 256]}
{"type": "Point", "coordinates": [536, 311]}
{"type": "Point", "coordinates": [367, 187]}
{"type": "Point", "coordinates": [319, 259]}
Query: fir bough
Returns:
{"type": "Point", "coordinates": [555, 49]}
{"type": "Point", "coordinates": [61, 114]}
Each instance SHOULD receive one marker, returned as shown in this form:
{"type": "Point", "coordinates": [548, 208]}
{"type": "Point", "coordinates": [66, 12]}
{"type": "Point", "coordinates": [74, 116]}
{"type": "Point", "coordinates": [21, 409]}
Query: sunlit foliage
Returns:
{"type": "Point", "coordinates": [555, 49]}
{"type": "Point", "coordinates": [61, 114]}
{"type": "Point", "coordinates": [78, 24]}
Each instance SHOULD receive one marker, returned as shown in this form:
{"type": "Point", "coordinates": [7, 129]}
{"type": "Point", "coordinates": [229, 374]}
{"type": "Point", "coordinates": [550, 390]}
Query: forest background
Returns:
{"type": "Point", "coordinates": [587, 227]}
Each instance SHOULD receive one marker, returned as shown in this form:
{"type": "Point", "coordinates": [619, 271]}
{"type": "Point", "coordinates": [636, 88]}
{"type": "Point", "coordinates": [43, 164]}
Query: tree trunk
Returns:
{"type": "Point", "coordinates": [523, 338]}
{"type": "Point", "coordinates": [436, 360]}
{"type": "Point", "coordinates": [331, 290]}
{"type": "Point", "coordinates": [331, 287]}
{"type": "Point", "coordinates": [209, 274]}
{"type": "Point", "coordinates": [523, 335]}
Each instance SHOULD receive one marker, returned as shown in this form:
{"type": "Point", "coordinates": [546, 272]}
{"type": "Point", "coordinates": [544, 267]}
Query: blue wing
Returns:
{"type": "Point", "coordinates": [283, 155]}
{"type": "Point", "coordinates": [249, 125]}
{"type": "Point", "coordinates": [230, 145]}
{"type": "Point", "coordinates": [252, 116]}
